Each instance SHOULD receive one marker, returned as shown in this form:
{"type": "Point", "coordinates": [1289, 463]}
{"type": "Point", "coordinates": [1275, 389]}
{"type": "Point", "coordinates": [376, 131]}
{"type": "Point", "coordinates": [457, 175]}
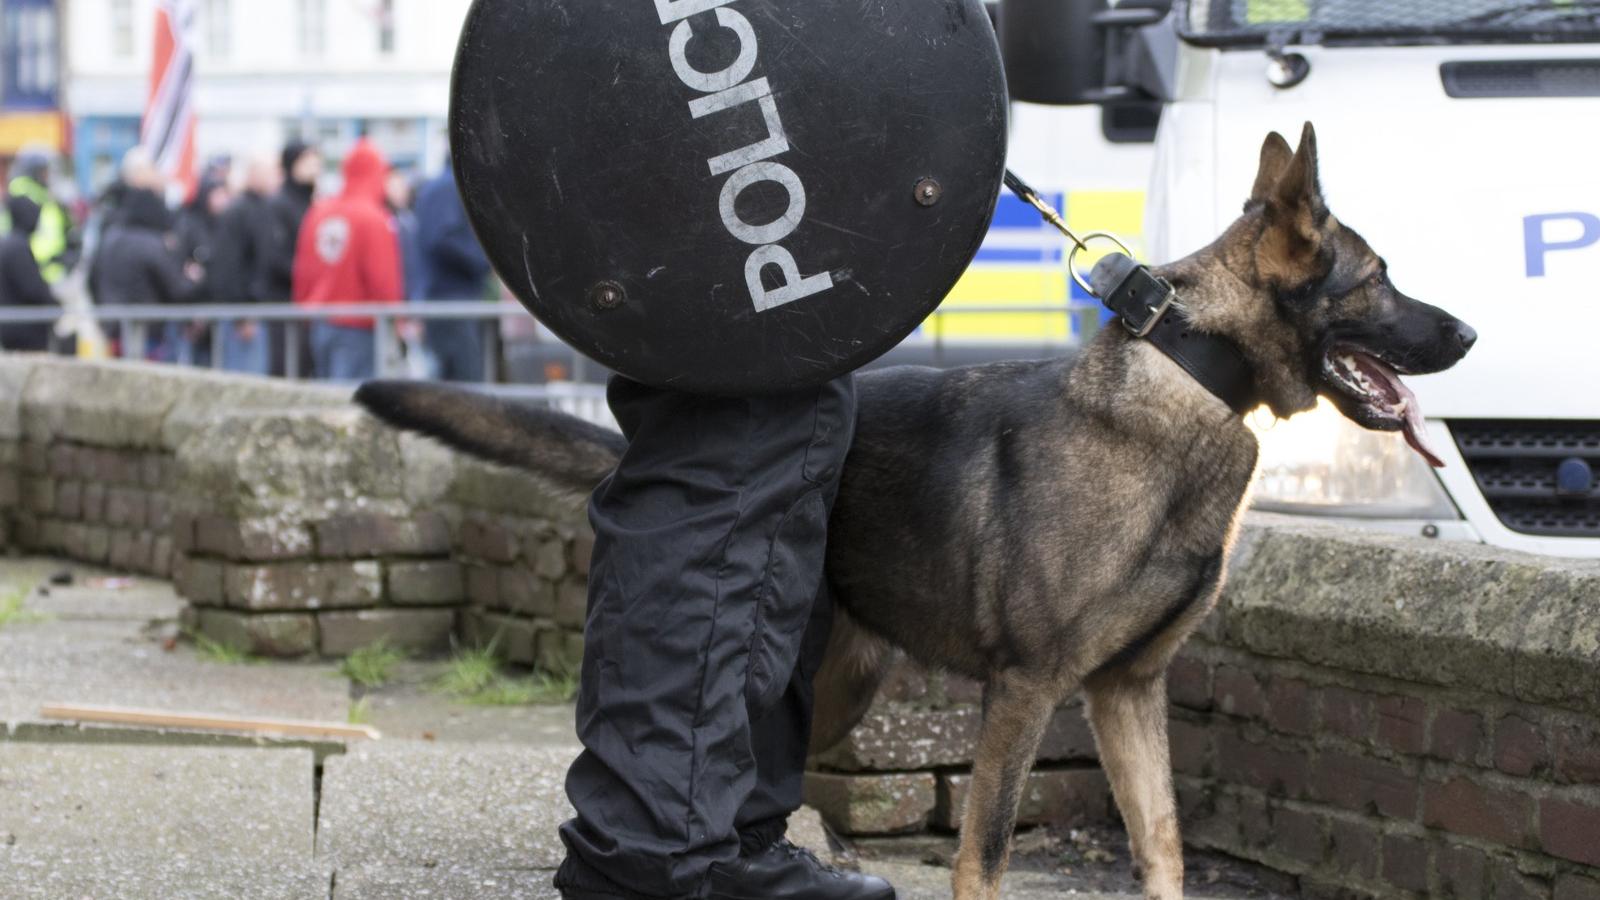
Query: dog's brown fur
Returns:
{"type": "Point", "coordinates": [1045, 527]}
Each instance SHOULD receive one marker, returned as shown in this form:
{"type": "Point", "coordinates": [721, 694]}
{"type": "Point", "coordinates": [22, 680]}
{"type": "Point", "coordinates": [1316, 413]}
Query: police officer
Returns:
{"type": "Point", "coordinates": [732, 203]}
{"type": "Point", "coordinates": [708, 619]}
{"type": "Point", "coordinates": [51, 240]}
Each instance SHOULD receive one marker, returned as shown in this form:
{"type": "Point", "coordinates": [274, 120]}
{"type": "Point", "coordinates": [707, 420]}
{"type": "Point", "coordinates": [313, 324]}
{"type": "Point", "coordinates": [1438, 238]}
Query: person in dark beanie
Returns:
{"type": "Point", "coordinates": [21, 282]}
{"type": "Point", "coordinates": [196, 231]}
{"type": "Point", "coordinates": [302, 168]}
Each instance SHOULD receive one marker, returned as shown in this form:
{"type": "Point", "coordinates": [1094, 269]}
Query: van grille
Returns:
{"type": "Point", "coordinates": [1515, 463]}
{"type": "Point", "coordinates": [1522, 78]}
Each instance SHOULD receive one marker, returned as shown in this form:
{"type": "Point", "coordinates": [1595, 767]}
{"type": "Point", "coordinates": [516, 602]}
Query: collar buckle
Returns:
{"type": "Point", "coordinates": [1154, 314]}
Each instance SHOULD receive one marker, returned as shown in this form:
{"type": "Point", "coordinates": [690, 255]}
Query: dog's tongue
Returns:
{"type": "Point", "coordinates": [1415, 430]}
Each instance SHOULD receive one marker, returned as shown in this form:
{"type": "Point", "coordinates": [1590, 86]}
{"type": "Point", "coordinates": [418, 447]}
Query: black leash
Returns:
{"type": "Point", "coordinates": [1148, 307]}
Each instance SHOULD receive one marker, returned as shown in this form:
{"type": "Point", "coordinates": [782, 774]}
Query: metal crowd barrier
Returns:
{"type": "Point", "coordinates": [137, 324]}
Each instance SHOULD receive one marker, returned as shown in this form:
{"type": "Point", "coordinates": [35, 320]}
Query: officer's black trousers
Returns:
{"type": "Point", "coordinates": [708, 616]}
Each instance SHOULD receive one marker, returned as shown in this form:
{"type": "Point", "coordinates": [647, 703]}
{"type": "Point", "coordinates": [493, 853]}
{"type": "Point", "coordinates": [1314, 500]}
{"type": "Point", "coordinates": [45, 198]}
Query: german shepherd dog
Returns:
{"type": "Point", "coordinates": [1049, 526]}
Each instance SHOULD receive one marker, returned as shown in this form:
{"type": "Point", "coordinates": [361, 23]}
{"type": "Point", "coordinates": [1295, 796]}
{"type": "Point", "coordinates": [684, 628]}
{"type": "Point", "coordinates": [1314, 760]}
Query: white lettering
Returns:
{"type": "Point", "coordinates": [794, 287]}
{"type": "Point", "coordinates": [739, 94]}
{"type": "Point", "coordinates": [711, 82]}
{"type": "Point", "coordinates": [776, 141]}
{"type": "Point", "coordinates": [672, 10]}
{"type": "Point", "coordinates": [779, 228]}
{"type": "Point", "coordinates": [724, 90]}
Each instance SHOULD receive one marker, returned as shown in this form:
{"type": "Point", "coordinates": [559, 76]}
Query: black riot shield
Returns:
{"type": "Point", "coordinates": [729, 196]}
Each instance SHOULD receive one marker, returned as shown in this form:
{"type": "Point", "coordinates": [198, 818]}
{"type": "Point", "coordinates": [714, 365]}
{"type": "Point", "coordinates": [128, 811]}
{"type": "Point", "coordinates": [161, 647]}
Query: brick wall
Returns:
{"type": "Point", "coordinates": [527, 583]}
{"type": "Point", "coordinates": [1397, 718]}
{"type": "Point", "coordinates": [291, 522]}
{"type": "Point", "coordinates": [109, 506]}
{"type": "Point", "coordinates": [905, 767]}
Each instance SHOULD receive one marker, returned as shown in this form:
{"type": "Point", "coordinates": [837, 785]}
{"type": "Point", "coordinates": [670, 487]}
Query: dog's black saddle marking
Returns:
{"type": "Point", "coordinates": [1148, 307]}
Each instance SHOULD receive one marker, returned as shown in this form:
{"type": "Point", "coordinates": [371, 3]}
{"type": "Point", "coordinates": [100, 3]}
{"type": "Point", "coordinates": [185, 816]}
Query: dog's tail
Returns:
{"type": "Point", "coordinates": [572, 453]}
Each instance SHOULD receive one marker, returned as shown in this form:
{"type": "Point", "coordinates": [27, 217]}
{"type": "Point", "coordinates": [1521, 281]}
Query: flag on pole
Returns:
{"type": "Point", "coordinates": [167, 132]}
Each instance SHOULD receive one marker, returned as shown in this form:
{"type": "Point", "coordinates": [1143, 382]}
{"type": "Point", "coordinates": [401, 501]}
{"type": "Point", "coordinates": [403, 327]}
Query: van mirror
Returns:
{"type": "Point", "coordinates": [1054, 53]}
{"type": "Point", "coordinates": [1071, 52]}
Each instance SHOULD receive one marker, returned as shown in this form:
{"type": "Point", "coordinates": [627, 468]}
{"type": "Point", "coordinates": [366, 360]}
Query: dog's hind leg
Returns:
{"type": "Point", "coordinates": [853, 667]}
{"type": "Point", "coordinates": [1129, 715]}
{"type": "Point", "coordinates": [1016, 712]}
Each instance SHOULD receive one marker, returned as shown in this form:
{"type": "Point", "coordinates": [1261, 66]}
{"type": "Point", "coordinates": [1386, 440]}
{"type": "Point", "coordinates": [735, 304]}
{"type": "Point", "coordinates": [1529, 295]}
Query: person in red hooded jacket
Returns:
{"type": "Point", "coordinates": [349, 252]}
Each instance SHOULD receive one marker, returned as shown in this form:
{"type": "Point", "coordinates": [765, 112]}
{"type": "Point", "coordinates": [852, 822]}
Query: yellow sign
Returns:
{"type": "Point", "coordinates": [19, 130]}
{"type": "Point", "coordinates": [1260, 12]}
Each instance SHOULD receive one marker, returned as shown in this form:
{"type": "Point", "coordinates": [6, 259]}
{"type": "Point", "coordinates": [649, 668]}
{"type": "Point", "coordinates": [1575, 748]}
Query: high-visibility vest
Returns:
{"type": "Point", "coordinates": [49, 240]}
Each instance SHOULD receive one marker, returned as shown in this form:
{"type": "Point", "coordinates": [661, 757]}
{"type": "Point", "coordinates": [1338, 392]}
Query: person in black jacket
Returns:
{"type": "Point", "coordinates": [21, 282]}
{"type": "Point", "coordinates": [242, 260]}
{"type": "Point", "coordinates": [196, 232]}
{"type": "Point", "coordinates": [302, 167]}
{"type": "Point", "coordinates": [138, 263]}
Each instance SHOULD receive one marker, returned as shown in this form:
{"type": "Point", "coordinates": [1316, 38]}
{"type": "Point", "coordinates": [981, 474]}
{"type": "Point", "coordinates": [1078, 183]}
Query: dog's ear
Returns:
{"type": "Point", "coordinates": [1275, 157]}
{"type": "Point", "coordinates": [1295, 213]}
{"type": "Point", "coordinates": [1296, 204]}
{"type": "Point", "coordinates": [1299, 186]}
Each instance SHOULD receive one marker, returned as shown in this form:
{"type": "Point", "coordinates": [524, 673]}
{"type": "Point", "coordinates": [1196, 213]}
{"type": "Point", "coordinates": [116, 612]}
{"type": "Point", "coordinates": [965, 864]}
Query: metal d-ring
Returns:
{"type": "Point", "coordinates": [1084, 243]}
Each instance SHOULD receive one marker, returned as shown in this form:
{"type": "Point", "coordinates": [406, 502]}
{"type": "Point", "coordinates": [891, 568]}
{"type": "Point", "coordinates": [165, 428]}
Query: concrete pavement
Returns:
{"type": "Point", "coordinates": [455, 803]}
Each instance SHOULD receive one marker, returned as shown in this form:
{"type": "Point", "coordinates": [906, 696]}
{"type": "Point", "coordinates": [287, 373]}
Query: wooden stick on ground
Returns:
{"type": "Point", "coordinates": [121, 715]}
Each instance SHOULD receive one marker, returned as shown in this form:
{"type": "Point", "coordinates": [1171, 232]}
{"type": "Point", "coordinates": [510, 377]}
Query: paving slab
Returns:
{"type": "Point", "coordinates": [111, 599]}
{"type": "Point", "coordinates": [203, 803]}
{"type": "Point", "coordinates": [436, 884]}
{"type": "Point", "coordinates": [920, 882]}
{"type": "Point", "coordinates": [418, 805]}
{"type": "Point", "coordinates": [100, 874]}
{"type": "Point", "coordinates": [411, 707]}
{"type": "Point", "coordinates": [99, 643]}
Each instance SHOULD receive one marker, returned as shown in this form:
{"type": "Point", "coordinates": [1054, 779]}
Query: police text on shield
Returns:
{"type": "Point", "coordinates": [731, 92]}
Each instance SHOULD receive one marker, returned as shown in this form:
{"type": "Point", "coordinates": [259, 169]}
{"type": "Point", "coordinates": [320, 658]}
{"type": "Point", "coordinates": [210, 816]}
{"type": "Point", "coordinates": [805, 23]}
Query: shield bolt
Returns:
{"type": "Point", "coordinates": [607, 295]}
{"type": "Point", "coordinates": [929, 191]}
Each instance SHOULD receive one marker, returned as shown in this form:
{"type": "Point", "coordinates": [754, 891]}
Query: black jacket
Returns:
{"type": "Point", "coordinates": [244, 253]}
{"type": "Point", "coordinates": [21, 284]}
{"type": "Point", "coordinates": [196, 229]}
{"type": "Point", "coordinates": [289, 209]}
{"type": "Point", "coordinates": [135, 264]}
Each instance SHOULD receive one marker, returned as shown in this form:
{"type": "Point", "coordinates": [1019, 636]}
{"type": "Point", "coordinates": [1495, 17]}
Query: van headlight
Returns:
{"type": "Point", "coordinates": [1320, 463]}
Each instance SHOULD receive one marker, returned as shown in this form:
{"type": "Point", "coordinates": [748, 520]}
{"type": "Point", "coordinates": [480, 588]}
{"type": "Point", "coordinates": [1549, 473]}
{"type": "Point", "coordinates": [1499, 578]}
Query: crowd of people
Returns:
{"type": "Point", "coordinates": [254, 230]}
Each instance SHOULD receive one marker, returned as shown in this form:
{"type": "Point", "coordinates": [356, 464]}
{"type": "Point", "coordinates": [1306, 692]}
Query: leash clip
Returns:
{"type": "Point", "coordinates": [1072, 259]}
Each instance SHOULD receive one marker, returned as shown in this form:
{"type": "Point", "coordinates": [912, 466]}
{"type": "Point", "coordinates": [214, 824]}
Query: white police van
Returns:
{"type": "Point", "coordinates": [1458, 136]}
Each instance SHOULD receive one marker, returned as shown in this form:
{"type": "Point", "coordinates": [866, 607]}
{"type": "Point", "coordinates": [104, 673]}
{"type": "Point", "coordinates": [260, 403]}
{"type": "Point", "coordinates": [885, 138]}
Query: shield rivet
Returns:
{"type": "Point", "coordinates": [928, 192]}
{"type": "Point", "coordinates": [607, 295]}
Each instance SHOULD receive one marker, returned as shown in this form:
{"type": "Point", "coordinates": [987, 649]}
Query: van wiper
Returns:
{"type": "Point", "coordinates": [1543, 13]}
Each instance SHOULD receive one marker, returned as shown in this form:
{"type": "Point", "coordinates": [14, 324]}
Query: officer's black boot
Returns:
{"type": "Point", "coordinates": [786, 872]}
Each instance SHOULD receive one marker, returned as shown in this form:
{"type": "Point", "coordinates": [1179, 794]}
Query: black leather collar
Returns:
{"type": "Point", "coordinates": [1148, 307]}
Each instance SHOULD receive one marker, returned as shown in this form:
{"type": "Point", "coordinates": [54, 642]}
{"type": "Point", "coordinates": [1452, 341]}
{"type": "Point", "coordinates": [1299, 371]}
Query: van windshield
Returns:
{"type": "Point", "coordinates": [1252, 22]}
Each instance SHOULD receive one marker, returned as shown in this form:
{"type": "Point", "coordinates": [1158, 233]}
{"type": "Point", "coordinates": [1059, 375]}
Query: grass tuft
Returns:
{"type": "Point", "coordinates": [373, 665]}
{"type": "Point", "coordinates": [536, 690]}
{"type": "Point", "coordinates": [470, 672]}
{"type": "Point", "coordinates": [12, 613]}
{"type": "Point", "coordinates": [227, 654]}
{"type": "Point", "coordinates": [360, 712]}
{"type": "Point", "coordinates": [476, 677]}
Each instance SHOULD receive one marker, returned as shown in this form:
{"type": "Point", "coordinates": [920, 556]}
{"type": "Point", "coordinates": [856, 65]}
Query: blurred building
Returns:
{"type": "Point", "coordinates": [267, 70]}
{"type": "Point", "coordinates": [30, 78]}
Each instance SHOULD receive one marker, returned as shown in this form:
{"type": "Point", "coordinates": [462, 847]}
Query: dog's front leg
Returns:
{"type": "Point", "coordinates": [1016, 712]}
{"type": "Point", "coordinates": [1129, 715]}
